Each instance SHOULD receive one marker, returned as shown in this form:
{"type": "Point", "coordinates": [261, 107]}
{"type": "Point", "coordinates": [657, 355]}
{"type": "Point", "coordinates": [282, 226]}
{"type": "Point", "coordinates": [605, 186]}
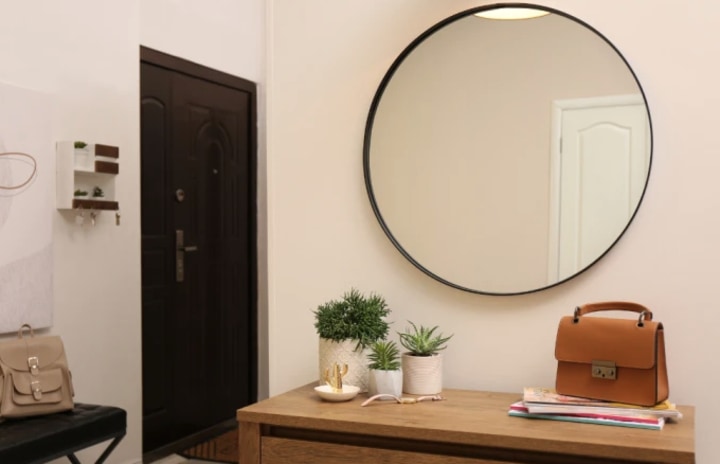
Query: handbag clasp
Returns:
{"type": "Point", "coordinates": [604, 370]}
{"type": "Point", "coordinates": [34, 364]}
{"type": "Point", "coordinates": [36, 390]}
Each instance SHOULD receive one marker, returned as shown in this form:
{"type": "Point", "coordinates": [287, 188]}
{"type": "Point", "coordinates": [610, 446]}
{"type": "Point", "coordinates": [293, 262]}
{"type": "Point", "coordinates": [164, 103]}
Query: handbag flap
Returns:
{"type": "Point", "coordinates": [47, 382]}
{"type": "Point", "coordinates": [621, 341]}
{"type": "Point", "coordinates": [15, 353]}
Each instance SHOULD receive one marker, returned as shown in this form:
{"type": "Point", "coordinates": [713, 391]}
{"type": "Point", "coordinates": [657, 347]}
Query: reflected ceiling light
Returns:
{"type": "Point", "coordinates": [512, 13]}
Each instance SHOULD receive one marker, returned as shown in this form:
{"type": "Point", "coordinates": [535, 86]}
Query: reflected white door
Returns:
{"type": "Point", "coordinates": [600, 159]}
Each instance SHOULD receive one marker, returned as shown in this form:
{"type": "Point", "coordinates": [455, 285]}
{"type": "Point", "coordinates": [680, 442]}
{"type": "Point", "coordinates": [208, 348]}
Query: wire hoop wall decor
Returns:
{"type": "Point", "coordinates": [30, 177]}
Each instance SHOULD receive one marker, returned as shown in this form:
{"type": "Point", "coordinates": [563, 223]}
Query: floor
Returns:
{"type": "Point", "coordinates": [175, 459]}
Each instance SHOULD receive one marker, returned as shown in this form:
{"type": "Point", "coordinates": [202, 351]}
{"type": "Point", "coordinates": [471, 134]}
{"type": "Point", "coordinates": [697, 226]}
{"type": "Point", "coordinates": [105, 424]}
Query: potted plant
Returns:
{"type": "Point", "coordinates": [346, 328]}
{"type": "Point", "coordinates": [79, 193]}
{"type": "Point", "coordinates": [422, 363]}
{"type": "Point", "coordinates": [385, 374]}
{"type": "Point", "coordinates": [98, 192]}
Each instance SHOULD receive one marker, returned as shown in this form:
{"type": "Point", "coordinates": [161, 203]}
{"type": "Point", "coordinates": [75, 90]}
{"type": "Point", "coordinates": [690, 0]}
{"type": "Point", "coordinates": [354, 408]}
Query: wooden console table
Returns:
{"type": "Point", "coordinates": [468, 427]}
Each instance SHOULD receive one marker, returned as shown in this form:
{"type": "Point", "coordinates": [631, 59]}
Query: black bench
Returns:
{"type": "Point", "coordinates": [37, 440]}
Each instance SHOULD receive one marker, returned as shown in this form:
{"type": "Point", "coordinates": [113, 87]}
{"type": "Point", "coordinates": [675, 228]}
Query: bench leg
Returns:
{"type": "Point", "coordinates": [108, 450]}
{"type": "Point", "coordinates": [74, 460]}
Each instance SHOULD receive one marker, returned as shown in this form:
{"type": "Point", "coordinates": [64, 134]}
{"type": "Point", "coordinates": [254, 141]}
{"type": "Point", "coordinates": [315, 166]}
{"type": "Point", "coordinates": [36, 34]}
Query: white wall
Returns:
{"type": "Point", "coordinates": [328, 57]}
{"type": "Point", "coordinates": [85, 54]}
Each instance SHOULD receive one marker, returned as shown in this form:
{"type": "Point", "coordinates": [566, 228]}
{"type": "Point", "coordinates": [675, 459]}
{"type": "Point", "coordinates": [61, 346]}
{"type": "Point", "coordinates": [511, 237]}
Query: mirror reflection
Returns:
{"type": "Point", "coordinates": [507, 156]}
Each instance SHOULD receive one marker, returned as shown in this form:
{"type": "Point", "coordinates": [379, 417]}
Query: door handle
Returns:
{"type": "Point", "coordinates": [180, 250]}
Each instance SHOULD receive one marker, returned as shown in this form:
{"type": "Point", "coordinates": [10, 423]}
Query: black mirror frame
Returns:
{"type": "Point", "coordinates": [378, 97]}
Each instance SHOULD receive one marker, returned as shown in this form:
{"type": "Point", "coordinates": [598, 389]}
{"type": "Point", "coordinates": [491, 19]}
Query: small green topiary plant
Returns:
{"type": "Point", "coordinates": [80, 144]}
{"type": "Point", "coordinates": [384, 356]}
{"type": "Point", "coordinates": [354, 317]}
{"type": "Point", "coordinates": [422, 341]}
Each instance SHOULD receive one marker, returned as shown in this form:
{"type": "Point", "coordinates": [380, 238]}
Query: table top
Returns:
{"type": "Point", "coordinates": [475, 418]}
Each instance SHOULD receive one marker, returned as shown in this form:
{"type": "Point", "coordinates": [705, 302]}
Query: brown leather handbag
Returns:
{"type": "Point", "coordinates": [612, 358]}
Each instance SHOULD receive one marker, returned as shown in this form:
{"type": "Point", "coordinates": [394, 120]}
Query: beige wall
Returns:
{"type": "Point", "coordinates": [328, 58]}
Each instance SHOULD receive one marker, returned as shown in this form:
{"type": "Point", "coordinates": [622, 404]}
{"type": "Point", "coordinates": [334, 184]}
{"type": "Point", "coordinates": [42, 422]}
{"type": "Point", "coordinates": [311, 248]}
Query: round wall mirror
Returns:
{"type": "Point", "coordinates": [506, 156]}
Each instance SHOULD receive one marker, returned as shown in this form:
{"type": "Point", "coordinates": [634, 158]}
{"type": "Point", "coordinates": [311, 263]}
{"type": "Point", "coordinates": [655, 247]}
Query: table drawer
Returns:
{"type": "Point", "coordinates": [284, 451]}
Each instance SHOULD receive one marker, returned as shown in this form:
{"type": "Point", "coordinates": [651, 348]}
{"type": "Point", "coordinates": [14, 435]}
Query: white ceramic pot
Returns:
{"type": "Point", "coordinates": [389, 382]}
{"type": "Point", "coordinates": [343, 352]}
{"type": "Point", "coordinates": [422, 375]}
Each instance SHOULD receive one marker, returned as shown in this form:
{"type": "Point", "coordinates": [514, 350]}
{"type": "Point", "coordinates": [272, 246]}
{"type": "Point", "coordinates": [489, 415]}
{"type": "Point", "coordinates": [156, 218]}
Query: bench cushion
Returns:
{"type": "Point", "coordinates": [42, 438]}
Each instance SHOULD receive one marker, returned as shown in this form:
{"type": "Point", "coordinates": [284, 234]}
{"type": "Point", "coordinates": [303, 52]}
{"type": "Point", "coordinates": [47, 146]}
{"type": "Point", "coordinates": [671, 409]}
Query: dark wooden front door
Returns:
{"type": "Point", "coordinates": [198, 145]}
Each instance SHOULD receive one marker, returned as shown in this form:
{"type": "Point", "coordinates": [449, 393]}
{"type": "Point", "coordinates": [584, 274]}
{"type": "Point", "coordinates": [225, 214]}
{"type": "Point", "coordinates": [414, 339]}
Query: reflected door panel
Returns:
{"type": "Point", "coordinates": [602, 164]}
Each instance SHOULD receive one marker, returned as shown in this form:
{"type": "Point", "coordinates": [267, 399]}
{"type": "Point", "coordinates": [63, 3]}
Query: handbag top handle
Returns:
{"type": "Point", "coordinates": [22, 327]}
{"type": "Point", "coordinates": [645, 314]}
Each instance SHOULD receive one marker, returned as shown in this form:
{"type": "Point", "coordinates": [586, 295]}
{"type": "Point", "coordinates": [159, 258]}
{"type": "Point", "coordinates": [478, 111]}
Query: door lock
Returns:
{"type": "Point", "coordinates": [180, 250]}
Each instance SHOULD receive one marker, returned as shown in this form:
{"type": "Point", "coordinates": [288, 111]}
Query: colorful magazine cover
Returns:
{"type": "Point", "coordinates": [518, 409]}
{"type": "Point", "coordinates": [547, 401]}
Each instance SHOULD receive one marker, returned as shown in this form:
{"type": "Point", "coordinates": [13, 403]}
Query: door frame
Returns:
{"type": "Point", "coordinates": [189, 68]}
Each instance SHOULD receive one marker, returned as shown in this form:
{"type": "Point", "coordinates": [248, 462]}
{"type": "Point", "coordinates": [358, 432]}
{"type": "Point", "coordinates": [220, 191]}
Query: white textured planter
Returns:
{"type": "Point", "coordinates": [389, 382]}
{"type": "Point", "coordinates": [331, 352]}
{"type": "Point", "coordinates": [422, 375]}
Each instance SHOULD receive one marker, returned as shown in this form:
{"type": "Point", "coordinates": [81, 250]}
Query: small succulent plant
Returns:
{"type": "Point", "coordinates": [384, 356]}
{"type": "Point", "coordinates": [422, 341]}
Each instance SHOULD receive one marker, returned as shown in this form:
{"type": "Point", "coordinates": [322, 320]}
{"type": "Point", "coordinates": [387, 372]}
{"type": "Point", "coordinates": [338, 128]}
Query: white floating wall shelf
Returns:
{"type": "Point", "coordinates": [90, 169]}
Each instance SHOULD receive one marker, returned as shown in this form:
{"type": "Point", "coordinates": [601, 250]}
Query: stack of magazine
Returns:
{"type": "Point", "coordinates": [546, 403]}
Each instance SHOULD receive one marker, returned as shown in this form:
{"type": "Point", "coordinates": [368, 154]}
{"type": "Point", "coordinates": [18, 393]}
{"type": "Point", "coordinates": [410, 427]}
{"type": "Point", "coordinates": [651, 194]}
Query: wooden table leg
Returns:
{"type": "Point", "coordinates": [249, 443]}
